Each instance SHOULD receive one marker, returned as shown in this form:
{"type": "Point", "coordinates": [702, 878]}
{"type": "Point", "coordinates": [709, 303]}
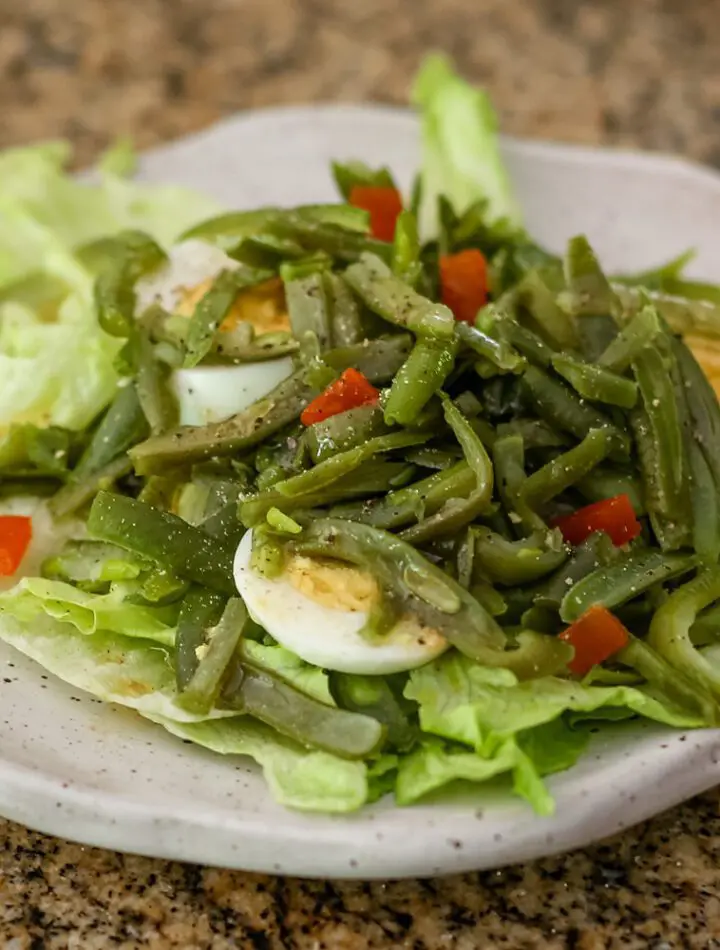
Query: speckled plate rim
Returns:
{"type": "Point", "coordinates": [190, 805]}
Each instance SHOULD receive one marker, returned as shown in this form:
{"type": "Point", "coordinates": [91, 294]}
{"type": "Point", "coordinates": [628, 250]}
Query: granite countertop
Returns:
{"type": "Point", "coordinates": [643, 74]}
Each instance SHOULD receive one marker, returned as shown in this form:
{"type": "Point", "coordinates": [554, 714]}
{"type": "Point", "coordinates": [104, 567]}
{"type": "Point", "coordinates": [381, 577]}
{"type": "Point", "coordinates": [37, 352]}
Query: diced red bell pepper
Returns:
{"type": "Point", "coordinates": [383, 203]}
{"type": "Point", "coordinates": [15, 535]}
{"type": "Point", "coordinates": [596, 636]}
{"type": "Point", "coordinates": [463, 284]}
{"type": "Point", "coordinates": [615, 516]}
{"type": "Point", "coordinates": [351, 390]}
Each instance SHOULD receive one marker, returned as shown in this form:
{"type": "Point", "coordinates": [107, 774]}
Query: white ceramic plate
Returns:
{"type": "Point", "coordinates": [75, 767]}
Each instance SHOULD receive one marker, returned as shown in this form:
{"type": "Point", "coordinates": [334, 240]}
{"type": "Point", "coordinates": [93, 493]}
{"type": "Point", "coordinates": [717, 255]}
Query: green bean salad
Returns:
{"type": "Point", "coordinates": [379, 493]}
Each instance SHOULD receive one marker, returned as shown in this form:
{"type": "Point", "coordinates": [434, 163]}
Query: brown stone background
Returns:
{"type": "Point", "coordinates": [633, 72]}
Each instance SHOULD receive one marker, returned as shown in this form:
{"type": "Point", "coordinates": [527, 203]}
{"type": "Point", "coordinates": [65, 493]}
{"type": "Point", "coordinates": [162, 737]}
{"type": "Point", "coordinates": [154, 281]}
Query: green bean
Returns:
{"type": "Point", "coordinates": [492, 600]}
{"type": "Point", "coordinates": [670, 630]}
{"type": "Point", "coordinates": [702, 404]}
{"type": "Point", "coordinates": [623, 580]}
{"type": "Point", "coordinates": [594, 552]}
{"type": "Point", "coordinates": [201, 610]}
{"type": "Point", "coordinates": [238, 346]}
{"type": "Point", "coordinates": [706, 627]}
{"type": "Point", "coordinates": [660, 446]}
{"type": "Point", "coordinates": [413, 502]}
{"type": "Point", "coordinates": [509, 459]}
{"type": "Point", "coordinates": [603, 483]}
{"type": "Point", "coordinates": [534, 294]}
{"type": "Point", "coordinates": [458, 512]}
{"type": "Point", "coordinates": [345, 313]}
{"type": "Point", "coordinates": [392, 561]}
{"type": "Point", "coordinates": [122, 426]}
{"type": "Point", "coordinates": [705, 510]}
{"type": "Point", "coordinates": [214, 656]}
{"type": "Point", "coordinates": [241, 431]}
{"type": "Point", "coordinates": [526, 342]}
{"type": "Point", "coordinates": [594, 382]}
{"type": "Point", "coordinates": [565, 470]}
{"type": "Point", "coordinates": [588, 290]}
{"type": "Point", "coordinates": [516, 562]}
{"type": "Point", "coordinates": [534, 433]}
{"type": "Point", "coordinates": [498, 352]}
{"type": "Point", "coordinates": [339, 242]}
{"type": "Point", "coordinates": [214, 306]}
{"type": "Point", "coordinates": [405, 263]}
{"type": "Point", "coordinates": [308, 308]}
{"type": "Point", "coordinates": [631, 340]}
{"type": "Point", "coordinates": [373, 696]}
{"type": "Point", "coordinates": [419, 378]}
{"type": "Point", "coordinates": [535, 655]}
{"type": "Point", "coordinates": [378, 360]}
{"type": "Point", "coordinates": [134, 254]}
{"type": "Point", "coordinates": [397, 303]}
{"type": "Point", "coordinates": [235, 225]}
{"type": "Point", "coordinates": [265, 250]}
{"type": "Point", "coordinates": [76, 494]}
{"type": "Point", "coordinates": [159, 588]}
{"type": "Point", "coordinates": [164, 538]}
{"type": "Point", "coordinates": [343, 431]}
{"type": "Point", "coordinates": [561, 408]}
{"type": "Point", "coordinates": [349, 174]}
{"type": "Point", "coordinates": [683, 315]}
{"type": "Point", "coordinates": [151, 382]}
{"type": "Point", "coordinates": [316, 263]}
{"type": "Point", "coordinates": [265, 696]}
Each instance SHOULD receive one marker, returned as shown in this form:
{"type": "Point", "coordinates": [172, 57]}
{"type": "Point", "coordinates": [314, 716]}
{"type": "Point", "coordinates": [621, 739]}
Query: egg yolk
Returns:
{"type": "Point", "coordinates": [263, 306]}
{"type": "Point", "coordinates": [333, 584]}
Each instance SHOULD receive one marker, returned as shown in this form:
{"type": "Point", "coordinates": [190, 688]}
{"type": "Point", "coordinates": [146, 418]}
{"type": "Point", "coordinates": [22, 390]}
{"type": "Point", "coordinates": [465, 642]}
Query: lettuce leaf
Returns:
{"type": "Point", "coordinates": [298, 778]}
{"type": "Point", "coordinates": [303, 676]}
{"type": "Point", "coordinates": [460, 147]}
{"type": "Point", "coordinates": [88, 613]}
{"type": "Point", "coordinates": [481, 707]}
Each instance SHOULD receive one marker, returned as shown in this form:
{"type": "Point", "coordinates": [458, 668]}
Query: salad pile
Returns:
{"type": "Point", "coordinates": [379, 493]}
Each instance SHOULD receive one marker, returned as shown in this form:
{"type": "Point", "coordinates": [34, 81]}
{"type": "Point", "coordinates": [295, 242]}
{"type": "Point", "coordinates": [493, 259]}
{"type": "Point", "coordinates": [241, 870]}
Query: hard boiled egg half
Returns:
{"type": "Point", "coordinates": [317, 608]}
{"type": "Point", "coordinates": [211, 393]}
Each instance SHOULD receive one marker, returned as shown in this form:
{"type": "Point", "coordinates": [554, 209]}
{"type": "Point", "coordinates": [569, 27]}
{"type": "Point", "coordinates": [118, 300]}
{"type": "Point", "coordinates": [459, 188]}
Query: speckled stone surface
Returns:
{"type": "Point", "coordinates": [642, 73]}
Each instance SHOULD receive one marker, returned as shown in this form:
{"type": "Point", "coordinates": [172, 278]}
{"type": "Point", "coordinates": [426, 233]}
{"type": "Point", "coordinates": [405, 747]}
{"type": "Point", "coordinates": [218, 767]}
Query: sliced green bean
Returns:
{"type": "Point", "coordinates": [308, 308]}
{"type": "Point", "coordinates": [345, 312]}
{"type": "Point", "coordinates": [603, 483]}
{"type": "Point", "coordinates": [232, 226]}
{"type": "Point", "coordinates": [526, 342]}
{"type": "Point", "coordinates": [670, 630]}
{"type": "Point", "coordinates": [373, 696]}
{"type": "Point", "coordinates": [343, 431]}
{"type": "Point", "coordinates": [394, 301]}
{"type": "Point", "coordinates": [623, 580]}
{"type": "Point", "coordinates": [405, 262]}
{"type": "Point", "coordinates": [594, 552]}
{"type": "Point", "coordinates": [122, 426]}
{"type": "Point", "coordinates": [510, 476]}
{"type": "Point", "coordinates": [593, 382]}
{"type": "Point", "coordinates": [134, 254]}
{"type": "Point", "coordinates": [267, 697]}
{"type": "Point", "coordinates": [201, 610]}
{"type": "Point", "coordinates": [427, 367]}
{"type": "Point", "coordinates": [516, 562]}
{"type": "Point", "coordinates": [682, 314]}
{"type": "Point", "coordinates": [565, 470]}
{"type": "Point", "coordinates": [164, 538]}
{"type": "Point", "coordinates": [588, 290]}
{"type": "Point", "coordinates": [498, 352]}
{"type": "Point", "coordinates": [339, 242]}
{"type": "Point", "coordinates": [631, 340]}
{"type": "Point", "coordinates": [534, 294]}
{"type": "Point", "coordinates": [378, 360]}
{"type": "Point", "coordinates": [76, 494]}
{"type": "Point", "coordinates": [214, 656]}
{"type": "Point", "coordinates": [242, 431]}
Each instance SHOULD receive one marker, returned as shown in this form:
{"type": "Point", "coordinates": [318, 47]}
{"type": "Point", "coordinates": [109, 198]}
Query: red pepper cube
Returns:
{"type": "Point", "coordinates": [351, 390]}
{"type": "Point", "coordinates": [615, 516]}
{"type": "Point", "coordinates": [383, 204]}
{"type": "Point", "coordinates": [15, 536]}
{"type": "Point", "coordinates": [595, 636]}
{"type": "Point", "coordinates": [463, 284]}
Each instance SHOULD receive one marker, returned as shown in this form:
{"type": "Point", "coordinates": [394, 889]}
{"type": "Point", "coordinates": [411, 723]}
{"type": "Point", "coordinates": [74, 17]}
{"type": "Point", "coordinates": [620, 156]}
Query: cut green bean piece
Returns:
{"type": "Point", "coordinates": [214, 657]}
{"type": "Point", "coordinates": [308, 308]}
{"type": "Point", "coordinates": [343, 431]}
{"type": "Point", "coordinates": [595, 551]}
{"type": "Point", "coordinates": [588, 290]}
{"type": "Point", "coordinates": [561, 408]}
{"type": "Point", "coordinates": [394, 301]}
{"type": "Point", "coordinates": [349, 174]}
{"type": "Point", "coordinates": [345, 312]}
{"type": "Point", "coordinates": [232, 226]}
{"type": "Point", "coordinates": [510, 476]}
{"type": "Point", "coordinates": [627, 578]}
{"type": "Point", "coordinates": [419, 378]}
{"type": "Point", "coordinates": [496, 351]}
{"type": "Point", "coordinates": [214, 306]}
{"type": "Point", "coordinates": [603, 483]}
{"type": "Point", "coordinates": [76, 494]}
{"type": "Point", "coordinates": [122, 426]}
{"type": "Point", "coordinates": [265, 696]}
{"type": "Point", "coordinates": [516, 562]}
{"type": "Point", "coordinates": [134, 254]}
{"type": "Point", "coordinates": [201, 610]}
{"type": "Point", "coordinates": [378, 360]}
{"type": "Point", "coordinates": [534, 294]}
{"type": "Point", "coordinates": [405, 262]}
{"type": "Point", "coordinates": [683, 315]}
{"type": "Point", "coordinates": [565, 470]}
{"type": "Point", "coordinates": [594, 382]}
{"type": "Point", "coordinates": [164, 538]}
{"type": "Point", "coordinates": [242, 431]}
{"type": "Point", "coordinates": [631, 340]}
{"type": "Point", "coordinates": [526, 342]}
{"type": "Point", "coordinates": [152, 383]}
{"type": "Point", "coordinates": [373, 696]}
{"type": "Point", "coordinates": [339, 242]}
{"type": "Point", "coordinates": [670, 630]}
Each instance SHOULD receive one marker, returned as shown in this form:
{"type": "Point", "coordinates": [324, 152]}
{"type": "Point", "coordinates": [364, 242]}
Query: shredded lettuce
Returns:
{"type": "Point", "coordinates": [461, 157]}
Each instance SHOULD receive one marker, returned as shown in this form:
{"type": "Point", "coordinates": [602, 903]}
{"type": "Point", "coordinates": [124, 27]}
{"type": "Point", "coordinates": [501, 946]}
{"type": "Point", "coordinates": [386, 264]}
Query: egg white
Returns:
{"type": "Point", "coordinates": [206, 393]}
{"type": "Point", "coordinates": [325, 636]}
